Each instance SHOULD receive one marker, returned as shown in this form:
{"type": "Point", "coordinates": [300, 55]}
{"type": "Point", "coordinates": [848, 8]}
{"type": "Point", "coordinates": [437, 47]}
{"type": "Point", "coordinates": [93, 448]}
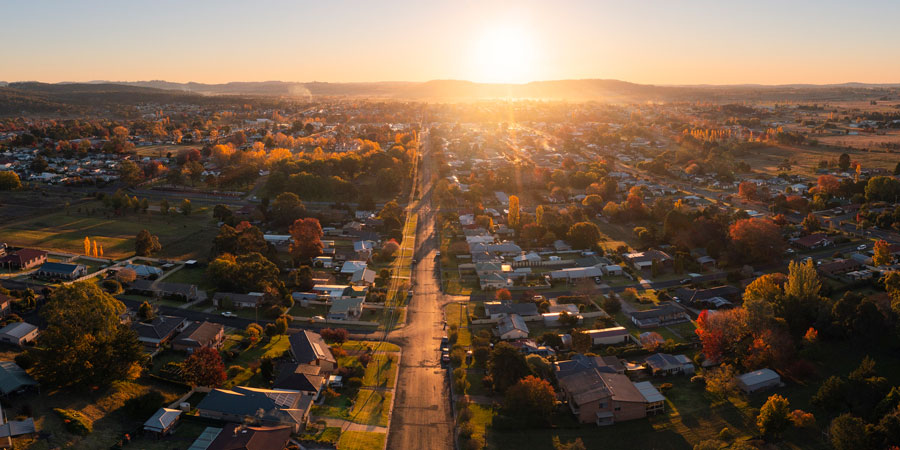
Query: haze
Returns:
{"type": "Point", "coordinates": [659, 42]}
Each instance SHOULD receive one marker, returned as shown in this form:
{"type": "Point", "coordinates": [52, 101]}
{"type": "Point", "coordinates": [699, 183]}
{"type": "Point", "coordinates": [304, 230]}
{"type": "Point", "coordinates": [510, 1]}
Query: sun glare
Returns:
{"type": "Point", "coordinates": [504, 55]}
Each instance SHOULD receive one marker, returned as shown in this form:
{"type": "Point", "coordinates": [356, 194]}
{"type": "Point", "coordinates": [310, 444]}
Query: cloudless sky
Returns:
{"type": "Point", "coordinates": [647, 41]}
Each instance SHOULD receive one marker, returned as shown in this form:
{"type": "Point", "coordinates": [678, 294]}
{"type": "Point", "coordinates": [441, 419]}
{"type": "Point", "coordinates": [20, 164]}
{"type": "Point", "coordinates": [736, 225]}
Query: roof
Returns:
{"type": "Point", "coordinates": [689, 295]}
{"type": "Point", "coordinates": [13, 377]}
{"type": "Point", "coordinates": [61, 268]}
{"type": "Point", "coordinates": [665, 361]}
{"type": "Point", "coordinates": [162, 419]}
{"type": "Point", "coordinates": [650, 394]}
{"type": "Point", "coordinates": [199, 334]}
{"type": "Point", "coordinates": [353, 266]}
{"type": "Point", "coordinates": [240, 437]}
{"type": "Point", "coordinates": [645, 256]}
{"type": "Point", "coordinates": [581, 363]}
{"type": "Point", "coordinates": [663, 309]}
{"type": "Point", "coordinates": [27, 254]}
{"type": "Point", "coordinates": [246, 401]}
{"type": "Point", "coordinates": [142, 270]}
{"type": "Point", "coordinates": [177, 288]}
{"type": "Point", "coordinates": [367, 275]}
{"type": "Point", "coordinates": [344, 305]}
{"type": "Point", "coordinates": [508, 307]}
{"type": "Point", "coordinates": [812, 239]}
{"type": "Point", "coordinates": [158, 328]}
{"type": "Point", "coordinates": [299, 377]}
{"type": "Point", "coordinates": [607, 332]}
{"type": "Point", "coordinates": [253, 297]}
{"type": "Point", "coordinates": [592, 385]}
{"type": "Point", "coordinates": [308, 346]}
{"type": "Point", "coordinates": [758, 377]}
{"type": "Point", "coordinates": [205, 439]}
{"type": "Point", "coordinates": [510, 323]}
{"type": "Point", "coordinates": [18, 330]}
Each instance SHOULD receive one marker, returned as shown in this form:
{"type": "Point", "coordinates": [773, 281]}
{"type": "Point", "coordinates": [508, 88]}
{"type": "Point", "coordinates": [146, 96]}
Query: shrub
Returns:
{"type": "Point", "coordinates": [143, 406]}
{"type": "Point", "coordinates": [75, 422]}
{"type": "Point", "coordinates": [456, 356]}
{"type": "Point", "coordinates": [234, 370]}
{"type": "Point", "coordinates": [111, 286]}
{"type": "Point", "coordinates": [475, 443]}
{"type": "Point", "coordinates": [24, 360]}
{"type": "Point", "coordinates": [466, 429]}
{"type": "Point", "coordinates": [354, 382]}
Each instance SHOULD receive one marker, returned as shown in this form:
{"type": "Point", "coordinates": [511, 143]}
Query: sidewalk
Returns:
{"type": "Point", "coordinates": [346, 425]}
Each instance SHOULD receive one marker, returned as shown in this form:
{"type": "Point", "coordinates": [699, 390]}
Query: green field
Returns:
{"type": "Point", "coordinates": [181, 236]}
{"type": "Point", "coordinates": [361, 440]}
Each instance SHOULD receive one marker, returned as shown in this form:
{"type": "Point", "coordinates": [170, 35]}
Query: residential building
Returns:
{"type": "Point", "coordinates": [14, 379]}
{"type": "Point", "coordinates": [159, 330]}
{"type": "Point", "coordinates": [511, 327]}
{"type": "Point", "coordinates": [268, 407]}
{"type": "Point", "coordinates": [144, 271]}
{"type": "Point", "coordinates": [308, 347]}
{"type": "Point", "coordinates": [665, 364]}
{"type": "Point", "coordinates": [346, 308]}
{"type": "Point", "coordinates": [496, 310]}
{"type": "Point", "coordinates": [665, 313]}
{"type": "Point", "coordinates": [603, 398]}
{"type": "Point", "coordinates": [199, 335]}
{"type": "Point", "coordinates": [163, 421]}
{"type": "Point", "coordinates": [230, 300]}
{"type": "Point", "coordinates": [23, 259]}
{"type": "Point", "coordinates": [305, 378]}
{"type": "Point", "coordinates": [242, 437]}
{"type": "Point", "coordinates": [609, 336]}
{"type": "Point", "coordinates": [18, 333]}
{"type": "Point", "coordinates": [644, 260]}
{"type": "Point", "coordinates": [813, 241]}
{"type": "Point", "coordinates": [758, 380]}
{"type": "Point", "coordinates": [61, 271]}
{"type": "Point", "coordinates": [5, 304]}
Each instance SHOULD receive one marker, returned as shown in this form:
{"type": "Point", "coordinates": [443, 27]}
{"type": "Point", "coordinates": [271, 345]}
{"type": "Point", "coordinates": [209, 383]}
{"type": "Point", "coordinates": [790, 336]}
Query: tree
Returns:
{"type": "Point", "coordinates": [882, 253]}
{"type": "Point", "coordinates": [539, 215]}
{"type": "Point", "coordinates": [577, 444]}
{"type": "Point", "coordinates": [85, 342]}
{"type": "Point", "coordinates": [747, 190]}
{"type": "Point", "coordinates": [774, 416]}
{"type": "Point", "coordinates": [222, 212]}
{"type": "Point", "coordinates": [164, 207]}
{"type": "Point", "coordinates": [581, 341]}
{"type": "Point", "coordinates": [583, 235]}
{"type": "Point", "coordinates": [651, 340]}
{"type": "Point", "coordinates": [145, 312]}
{"type": "Point", "coordinates": [307, 239]}
{"type": "Point", "coordinates": [282, 324]}
{"type": "Point", "coordinates": [204, 368]}
{"type": "Point", "coordinates": [251, 272]}
{"type": "Point", "coordinates": [286, 208]}
{"type": "Point", "coordinates": [882, 188]}
{"type": "Point", "coordinates": [844, 161]}
{"type": "Point", "coordinates": [303, 279]}
{"type": "Point", "coordinates": [9, 181]}
{"type": "Point", "coordinates": [87, 246]}
{"type": "Point", "coordinates": [507, 366]}
{"type": "Point", "coordinates": [186, 207]}
{"type": "Point", "coordinates": [802, 281]}
{"type": "Point", "coordinates": [832, 395]}
{"type": "Point", "coordinates": [828, 184]}
{"type": "Point", "coordinates": [126, 275]}
{"type": "Point", "coordinates": [811, 223]}
{"type": "Point", "coordinates": [146, 244]}
{"type": "Point", "coordinates": [503, 294]}
{"type": "Point", "coordinates": [848, 432]}
{"type": "Point", "coordinates": [531, 399]}
{"type": "Point", "coordinates": [757, 239]}
{"type": "Point", "coordinates": [335, 335]}
{"type": "Point", "coordinates": [130, 173]}
{"type": "Point", "coordinates": [513, 216]}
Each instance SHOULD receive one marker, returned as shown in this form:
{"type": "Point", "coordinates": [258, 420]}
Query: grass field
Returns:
{"type": "Point", "coordinates": [369, 408]}
{"type": "Point", "coordinates": [351, 346]}
{"type": "Point", "coordinates": [181, 236]}
{"type": "Point", "coordinates": [381, 372]}
{"type": "Point", "coordinates": [804, 160]}
{"type": "Point", "coordinates": [361, 440]}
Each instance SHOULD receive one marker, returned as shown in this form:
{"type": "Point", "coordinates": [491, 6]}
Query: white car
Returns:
{"type": "Point", "coordinates": [861, 247]}
{"type": "Point", "coordinates": [228, 314]}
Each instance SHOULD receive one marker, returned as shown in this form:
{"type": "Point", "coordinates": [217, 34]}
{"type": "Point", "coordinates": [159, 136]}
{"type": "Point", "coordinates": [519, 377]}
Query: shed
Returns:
{"type": "Point", "coordinates": [758, 380]}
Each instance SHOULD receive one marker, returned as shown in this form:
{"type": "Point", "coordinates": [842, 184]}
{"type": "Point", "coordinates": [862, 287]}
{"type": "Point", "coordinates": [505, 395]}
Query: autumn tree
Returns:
{"type": "Point", "coordinates": [828, 184]}
{"type": "Point", "coordinates": [503, 294]}
{"type": "Point", "coordinates": [306, 237]}
{"type": "Point", "coordinates": [848, 432]}
{"type": "Point", "coordinates": [513, 216]}
{"type": "Point", "coordinates": [204, 367]}
{"type": "Point", "coordinates": [186, 207]}
{"type": "Point", "coordinates": [286, 208]}
{"type": "Point", "coordinates": [9, 181]}
{"type": "Point", "coordinates": [757, 239]}
{"type": "Point", "coordinates": [774, 416]}
{"type": "Point", "coordinates": [87, 246]}
{"type": "Point", "coordinates": [506, 366]}
{"type": "Point", "coordinates": [844, 161]}
{"type": "Point", "coordinates": [531, 399]}
{"type": "Point", "coordinates": [881, 253]}
{"type": "Point", "coordinates": [251, 272]}
{"type": "Point", "coordinates": [146, 244]}
{"type": "Point", "coordinates": [811, 223]}
{"type": "Point", "coordinates": [130, 173]}
{"type": "Point", "coordinates": [85, 342]}
{"type": "Point", "coordinates": [747, 190]}
{"type": "Point", "coordinates": [583, 235]}
{"type": "Point", "coordinates": [145, 312]}
{"type": "Point", "coordinates": [126, 275]}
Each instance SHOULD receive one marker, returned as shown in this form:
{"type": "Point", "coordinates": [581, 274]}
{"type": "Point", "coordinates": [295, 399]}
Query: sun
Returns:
{"type": "Point", "coordinates": [504, 54]}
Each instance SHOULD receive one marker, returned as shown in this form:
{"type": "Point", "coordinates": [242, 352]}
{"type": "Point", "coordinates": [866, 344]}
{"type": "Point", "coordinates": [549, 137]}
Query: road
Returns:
{"type": "Point", "coordinates": [422, 417]}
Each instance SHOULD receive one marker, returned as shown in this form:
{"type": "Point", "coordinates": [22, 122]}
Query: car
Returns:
{"type": "Point", "coordinates": [445, 349]}
{"type": "Point", "coordinates": [861, 247]}
{"type": "Point", "coordinates": [598, 280]}
{"type": "Point", "coordinates": [415, 261]}
{"type": "Point", "coordinates": [437, 253]}
{"type": "Point", "coordinates": [228, 314]}
{"type": "Point", "coordinates": [685, 281]}
{"type": "Point", "coordinates": [445, 358]}
{"type": "Point", "coordinates": [320, 318]}
{"type": "Point", "coordinates": [445, 340]}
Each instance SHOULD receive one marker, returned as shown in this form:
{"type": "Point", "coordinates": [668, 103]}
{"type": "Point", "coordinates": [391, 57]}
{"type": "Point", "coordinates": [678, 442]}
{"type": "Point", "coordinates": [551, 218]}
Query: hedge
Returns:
{"type": "Point", "coordinates": [75, 422]}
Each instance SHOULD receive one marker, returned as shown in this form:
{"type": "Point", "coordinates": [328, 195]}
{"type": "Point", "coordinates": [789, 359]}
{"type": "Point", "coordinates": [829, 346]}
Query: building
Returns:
{"type": "Point", "coordinates": [61, 271]}
{"type": "Point", "coordinates": [665, 364]}
{"type": "Point", "coordinates": [159, 330]}
{"type": "Point", "coordinates": [758, 380]}
{"type": "Point", "coordinates": [572, 274]}
{"type": "Point", "coordinates": [23, 259]}
{"type": "Point", "coordinates": [839, 267]}
{"type": "Point", "coordinates": [144, 271]}
{"type": "Point", "coordinates": [14, 379]}
{"type": "Point", "coordinates": [609, 336]}
{"type": "Point", "coordinates": [579, 362]}
{"type": "Point", "coordinates": [5, 304]}
{"type": "Point", "coordinates": [242, 437]}
{"type": "Point", "coordinates": [644, 261]}
{"type": "Point", "coordinates": [163, 421]}
{"type": "Point", "coordinates": [18, 333]}
{"type": "Point", "coordinates": [230, 300]}
{"type": "Point", "coordinates": [308, 347]}
{"type": "Point", "coordinates": [665, 313]}
{"type": "Point", "coordinates": [498, 309]}
{"type": "Point", "coordinates": [182, 291]}
{"type": "Point", "coordinates": [346, 308]}
{"type": "Point", "coordinates": [699, 296]}
{"type": "Point", "coordinates": [305, 378]}
{"type": "Point", "coordinates": [511, 327]}
{"type": "Point", "coordinates": [198, 335]}
{"type": "Point", "coordinates": [813, 241]}
{"type": "Point", "coordinates": [603, 398]}
{"type": "Point", "coordinates": [267, 407]}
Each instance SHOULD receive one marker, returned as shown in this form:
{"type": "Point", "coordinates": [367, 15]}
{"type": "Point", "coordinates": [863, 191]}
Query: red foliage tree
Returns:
{"type": "Point", "coordinates": [503, 294]}
{"type": "Point", "coordinates": [747, 190]}
{"type": "Point", "coordinates": [757, 239]}
{"type": "Point", "coordinates": [204, 368]}
{"type": "Point", "coordinates": [307, 238]}
{"type": "Point", "coordinates": [828, 184]}
{"type": "Point", "coordinates": [336, 335]}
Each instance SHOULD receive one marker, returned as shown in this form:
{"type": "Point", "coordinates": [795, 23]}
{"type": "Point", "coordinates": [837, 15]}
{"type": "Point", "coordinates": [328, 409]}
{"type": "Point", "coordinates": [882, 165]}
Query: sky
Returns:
{"type": "Point", "coordinates": [647, 41]}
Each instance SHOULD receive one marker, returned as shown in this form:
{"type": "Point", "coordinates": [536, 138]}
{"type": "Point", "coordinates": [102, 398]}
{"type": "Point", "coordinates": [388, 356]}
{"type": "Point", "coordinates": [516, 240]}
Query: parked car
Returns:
{"type": "Point", "coordinates": [861, 247]}
{"type": "Point", "coordinates": [445, 358]}
{"type": "Point", "coordinates": [228, 314]}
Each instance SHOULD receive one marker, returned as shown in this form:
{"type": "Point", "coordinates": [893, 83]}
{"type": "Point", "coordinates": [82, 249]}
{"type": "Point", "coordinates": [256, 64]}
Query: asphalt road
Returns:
{"type": "Point", "coordinates": [422, 416]}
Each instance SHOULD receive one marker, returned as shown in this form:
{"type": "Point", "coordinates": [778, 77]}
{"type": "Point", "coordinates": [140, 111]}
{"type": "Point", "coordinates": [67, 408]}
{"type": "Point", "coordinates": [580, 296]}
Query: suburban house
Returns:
{"type": "Point", "coordinates": [758, 380]}
{"type": "Point", "coordinates": [182, 291]}
{"type": "Point", "coordinates": [144, 271]}
{"type": "Point", "coordinates": [494, 281]}
{"type": "Point", "coordinates": [25, 258]}
{"type": "Point", "coordinates": [346, 308]}
{"type": "Point", "coordinates": [364, 277]}
{"type": "Point", "coordinates": [61, 271]}
{"type": "Point", "coordinates": [14, 379]}
{"type": "Point", "coordinates": [699, 296]}
{"type": "Point", "coordinates": [609, 336]}
{"type": "Point", "coordinates": [530, 347]}
{"type": "Point", "coordinates": [644, 261]}
{"type": "Point", "coordinates": [664, 313]}
{"type": "Point", "coordinates": [159, 330]}
{"type": "Point", "coordinates": [305, 378]}
{"type": "Point", "coordinates": [511, 327]}
{"type": "Point", "coordinates": [839, 267]}
{"type": "Point", "coordinates": [571, 274]}
{"type": "Point", "coordinates": [308, 347]}
{"type": "Point", "coordinates": [269, 407]}
{"type": "Point", "coordinates": [603, 398]}
{"type": "Point", "coordinates": [665, 364]}
{"type": "Point", "coordinates": [813, 241]}
{"type": "Point", "coordinates": [363, 249]}
{"type": "Point", "coordinates": [198, 335]}
{"type": "Point", "coordinates": [251, 300]}
{"type": "Point", "coordinates": [163, 421]}
{"type": "Point", "coordinates": [496, 310]}
{"type": "Point", "coordinates": [242, 437]}
{"type": "Point", "coordinates": [351, 267]}
{"type": "Point", "coordinates": [18, 333]}
{"type": "Point", "coordinates": [579, 362]}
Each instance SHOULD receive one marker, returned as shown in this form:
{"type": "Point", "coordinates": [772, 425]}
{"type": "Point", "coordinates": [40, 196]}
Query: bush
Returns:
{"type": "Point", "coordinates": [474, 443]}
{"type": "Point", "coordinates": [234, 370]}
{"type": "Point", "coordinates": [465, 414]}
{"type": "Point", "coordinates": [354, 382]}
{"type": "Point", "coordinates": [456, 356]}
{"type": "Point", "coordinates": [75, 422]}
{"type": "Point", "coordinates": [143, 406]}
{"type": "Point", "coordinates": [111, 286]}
{"type": "Point", "coordinates": [24, 360]}
{"type": "Point", "coordinates": [466, 429]}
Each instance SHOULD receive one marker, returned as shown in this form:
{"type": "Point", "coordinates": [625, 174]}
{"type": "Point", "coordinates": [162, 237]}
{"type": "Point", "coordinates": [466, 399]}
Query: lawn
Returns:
{"type": "Point", "coordinates": [251, 356]}
{"type": "Point", "coordinates": [190, 275]}
{"type": "Point", "coordinates": [370, 407]}
{"type": "Point", "coordinates": [351, 346]}
{"type": "Point", "coordinates": [455, 314]}
{"type": "Point", "coordinates": [381, 371]}
{"type": "Point", "coordinates": [180, 236]}
{"type": "Point", "coordinates": [361, 440]}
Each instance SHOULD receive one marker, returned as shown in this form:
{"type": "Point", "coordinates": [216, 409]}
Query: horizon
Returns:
{"type": "Point", "coordinates": [659, 43]}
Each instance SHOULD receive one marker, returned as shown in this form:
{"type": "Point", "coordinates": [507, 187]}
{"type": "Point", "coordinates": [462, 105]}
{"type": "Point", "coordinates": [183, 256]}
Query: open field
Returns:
{"type": "Point", "coordinates": [361, 440]}
{"type": "Point", "coordinates": [805, 160]}
{"type": "Point", "coordinates": [160, 151]}
{"type": "Point", "coordinates": [181, 236]}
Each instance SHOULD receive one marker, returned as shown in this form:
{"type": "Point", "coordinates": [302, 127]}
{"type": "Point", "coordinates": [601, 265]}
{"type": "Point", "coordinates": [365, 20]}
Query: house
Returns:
{"type": "Point", "coordinates": [758, 380]}
{"type": "Point", "coordinates": [697, 296]}
{"type": "Point", "coordinates": [14, 379]}
{"type": "Point", "coordinates": [496, 310]}
{"type": "Point", "coordinates": [351, 267]}
{"type": "Point", "coordinates": [279, 241]}
{"type": "Point", "coordinates": [511, 327]}
{"type": "Point", "coordinates": [163, 421]}
{"type": "Point", "coordinates": [554, 319]}
{"type": "Point", "coordinates": [839, 267]}
{"type": "Point", "coordinates": [530, 347]}
{"type": "Point", "coordinates": [61, 271]}
{"type": "Point", "coordinates": [571, 274]}
{"type": "Point", "coordinates": [603, 398]}
{"type": "Point", "coordinates": [364, 277]}
{"type": "Point", "coordinates": [363, 249]}
{"type": "Point", "coordinates": [243, 437]}
{"type": "Point", "coordinates": [665, 364]}
{"type": "Point", "coordinates": [25, 258]}
{"type": "Point", "coordinates": [581, 362]}
{"type": "Point", "coordinates": [229, 300]}
{"type": "Point", "coordinates": [323, 261]}
{"type": "Point", "coordinates": [18, 333]}
{"type": "Point", "coordinates": [346, 308]}
{"type": "Point", "coordinates": [330, 291]}
{"type": "Point", "coordinates": [5, 304]}
{"type": "Point", "coordinates": [198, 335]}
{"type": "Point", "coordinates": [308, 347]}
{"type": "Point", "coordinates": [609, 336]}
{"type": "Point", "coordinates": [494, 281]}
{"type": "Point", "coordinates": [664, 313]}
{"type": "Point", "coordinates": [144, 271]}
{"type": "Point", "coordinates": [160, 330]}
{"type": "Point", "coordinates": [184, 291]}
{"type": "Point", "coordinates": [268, 407]}
{"type": "Point", "coordinates": [305, 378]}
{"type": "Point", "coordinates": [813, 241]}
{"type": "Point", "coordinates": [613, 270]}
{"type": "Point", "coordinates": [645, 260]}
